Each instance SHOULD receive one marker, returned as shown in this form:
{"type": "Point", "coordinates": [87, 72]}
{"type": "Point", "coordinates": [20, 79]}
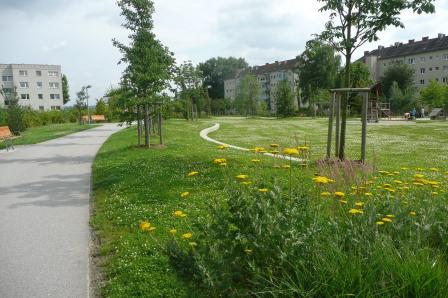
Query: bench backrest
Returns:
{"type": "Point", "coordinates": [98, 118]}
{"type": "Point", "coordinates": [5, 132]}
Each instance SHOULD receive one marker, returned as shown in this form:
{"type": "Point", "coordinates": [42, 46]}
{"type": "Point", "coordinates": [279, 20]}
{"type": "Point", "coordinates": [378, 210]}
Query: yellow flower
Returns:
{"type": "Point", "coordinates": [380, 223]}
{"type": "Point", "coordinates": [359, 204]}
{"type": "Point", "coordinates": [144, 226]}
{"type": "Point", "coordinates": [286, 166]}
{"type": "Point", "coordinates": [322, 180]}
{"type": "Point", "coordinates": [184, 194]}
{"type": "Point", "coordinates": [339, 194]}
{"type": "Point", "coordinates": [179, 214]}
{"type": "Point", "coordinates": [255, 160]}
{"type": "Point", "coordinates": [386, 219]}
{"type": "Point", "coordinates": [242, 177]}
{"type": "Point", "coordinates": [434, 193]}
{"type": "Point", "coordinates": [343, 202]}
{"type": "Point", "coordinates": [246, 183]}
{"type": "Point", "coordinates": [224, 164]}
{"type": "Point", "coordinates": [413, 213]}
{"type": "Point", "coordinates": [290, 151]}
{"type": "Point", "coordinates": [219, 160]}
{"type": "Point", "coordinates": [325, 194]}
{"type": "Point", "coordinates": [390, 216]}
{"type": "Point", "coordinates": [434, 169]}
{"type": "Point", "coordinates": [187, 235]}
{"type": "Point", "coordinates": [398, 182]}
{"type": "Point", "coordinates": [191, 174]}
{"type": "Point", "coordinates": [173, 231]}
{"type": "Point", "coordinates": [264, 190]}
{"type": "Point", "coordinates": [275, 145]}
{"type": "Point", "coordinates": [419, 176]}
{"type": "Point", "coordinates": [248, 251]}
{"type": "Point", "coordinates": [387, 185]}
{"type": "Point", "coordinates": [389, 189]}
{"type": "Point", "coordinates": [368, 194]}
{"type": "Point", "coordinates": [223, 147]}
{"type": "Point", "coordinates": [405, 168]}
{"type": "Point", "coordinates": [355, 211]}
{"type": "Point", "coordinates": [259, 150]}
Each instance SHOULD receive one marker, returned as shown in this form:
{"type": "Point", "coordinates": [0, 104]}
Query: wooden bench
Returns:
{"type": "Point", "coordinates": [7, 136]}
{"type": "Point", "coordinates": [94, 118]}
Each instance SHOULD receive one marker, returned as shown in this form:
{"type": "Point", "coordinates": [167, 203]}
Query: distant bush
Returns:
{"type": "Point", "coordinates": [33, 118]}
{"type": "Point", "coordinates": [3, 117]}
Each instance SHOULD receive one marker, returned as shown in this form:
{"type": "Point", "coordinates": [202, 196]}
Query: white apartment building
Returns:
{"type": "Point", "coordinates": [268, 76]}
{"type": "Point", "coordinates": [38, 86]}
{"type": "Point", "coordinates": [427, 57]}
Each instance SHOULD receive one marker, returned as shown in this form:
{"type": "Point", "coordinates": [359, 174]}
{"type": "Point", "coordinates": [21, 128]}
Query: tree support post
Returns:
{"type": "Point", "coordinates": [364, 127]}
{"type": "Point", "coordinates": [160, 125]}
{"type": "Point", "coordinates": [330, 126]}
{"type": "Point", "coordinates": [338, 124]}
{"type": "Point", "coordinates": [139, 125]}
{"type": "Point", "coordinates": [147, 128]}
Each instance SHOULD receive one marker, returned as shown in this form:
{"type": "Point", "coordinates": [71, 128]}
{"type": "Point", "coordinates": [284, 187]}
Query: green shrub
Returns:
{"type": "Point", "coordinates": [3, 117]}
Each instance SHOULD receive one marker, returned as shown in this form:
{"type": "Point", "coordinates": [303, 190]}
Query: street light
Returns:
{"type": "Point", "coordinates": [209, 100]}
{"type": "Point", "coordinates": [88, 109]}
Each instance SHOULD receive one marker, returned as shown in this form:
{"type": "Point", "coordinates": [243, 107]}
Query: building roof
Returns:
{"type": "Point", "coordinates": [268, 68]}
{"type": "Point", "coordinates": [411, 48]}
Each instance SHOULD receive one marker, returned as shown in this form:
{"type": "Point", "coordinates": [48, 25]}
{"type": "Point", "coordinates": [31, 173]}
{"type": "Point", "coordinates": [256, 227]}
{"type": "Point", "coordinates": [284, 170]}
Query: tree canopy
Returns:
{"type": "Point", "coordinates": [401, 74]}
{"type": "Point", "coordinates": [284, 99]}
{"type": "Point", "coordinates": [247, 95]}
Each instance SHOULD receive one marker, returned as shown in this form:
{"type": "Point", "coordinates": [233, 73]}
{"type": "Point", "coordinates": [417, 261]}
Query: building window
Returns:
{"type": "Point", "coordinates": [422, 82]}
{"type": "Point", "coordinates": [38, 73]}
{"type": "Point", "coordinates": [445, 57]}
{"type": "Point", "coordinates": [24, 96]}
{"type": "Point", "coordinates": [422, 70]}
{"type": "Point", "coordinates": [445, 80]}
{"type": "Point", "coordinates": [24, 85]}
{"type": "Point", "coordinates": [430, 69]}
{"type": "Point", "coordinates": [411, 61]}
{"type": "Point", "coordinates": [430, 57]}
{"type": "Point", "coordinates": [437, 68]}
{"type": "Point", "coordinates": [52, 73]}
{"type": "Point", "coordinates": [445, 67]}
{"type": "Point", "coordinates": [55, 108]}
{"type": "Point", "coordinates": [41, 108]}
{"type": "Point", "coordinates": [8, 91]}
{"type": "Point", "coordinates": [7, 78]}
{"type": "Point", "coordinates": [55, 96]}
{"type": "Point", "coordinates": [39, 85]}
{"type": "Point", "coordinates": [23, 73]}
{"type": "Point", "coordinates": [422, 59]}
{"type": "Point", "coordinates": [54, 85]}
{"type": "Point", "coordinates": [40, 96]}
{"type": "Point", "coordinates": [437, 79]}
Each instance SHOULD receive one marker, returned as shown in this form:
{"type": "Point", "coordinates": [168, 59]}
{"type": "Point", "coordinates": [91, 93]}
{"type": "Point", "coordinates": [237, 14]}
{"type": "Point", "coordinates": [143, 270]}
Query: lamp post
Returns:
{"type": "Point", "coordinates": [209, 100]}
{"type": "Point", "coordinates": [88, 108]}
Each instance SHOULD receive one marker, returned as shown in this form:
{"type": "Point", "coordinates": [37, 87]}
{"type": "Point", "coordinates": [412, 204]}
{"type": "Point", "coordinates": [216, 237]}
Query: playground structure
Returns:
{"type": "Point", "coordinates": [437, 114]}
{"type": "Point", "coordinates": [335, 112]}
{"type": "Point", "coordinates": [376, 109]}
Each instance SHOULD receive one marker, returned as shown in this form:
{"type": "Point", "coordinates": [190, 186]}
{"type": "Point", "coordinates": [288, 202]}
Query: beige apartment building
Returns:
{"type": "Point", "coordinates": [38, 86]}
{"type": "Point", "coordinates": [268, 76]}
{"type": "Point", "coordinates": [428, 57]}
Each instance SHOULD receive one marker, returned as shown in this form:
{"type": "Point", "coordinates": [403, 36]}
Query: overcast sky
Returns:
{"type": "Point", "coordinates": [77, 34]}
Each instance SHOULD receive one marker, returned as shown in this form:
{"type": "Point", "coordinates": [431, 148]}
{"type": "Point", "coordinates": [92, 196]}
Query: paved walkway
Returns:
{"type": "Point", "coordinates": [205, 132]}
{"type": "Point", "coordinates": [44, 215]}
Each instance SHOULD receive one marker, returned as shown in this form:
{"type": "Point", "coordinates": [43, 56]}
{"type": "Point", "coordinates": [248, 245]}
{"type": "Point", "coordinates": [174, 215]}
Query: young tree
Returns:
{"type": "Point", "coordinates": [247, 95]}
{"type": "Point", "coordinates": [435, 95]}
{"type": "Point", "coordinates": [65, 91]}
{"type": "Point", "coordinates": [81, 103]}
{"type": "Point", "coordinates": [318, 67]}
{"type": "Point", "coordinates": [284, 99]}
{"type": "Point", "coordinates": [101, 107]}
{"type": "Point", "coordinates": [353, 23]}
{"type": "Point", "coordinates": [149, 62]}
{"type": "Point", "coordinates": [15, 111]}
{"type": "Point", "coordinates": [400, 101]}
{"type": "Point", "coordinates": [401, 74]}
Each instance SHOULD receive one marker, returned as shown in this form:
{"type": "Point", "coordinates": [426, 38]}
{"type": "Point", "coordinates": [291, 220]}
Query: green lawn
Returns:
{"type": "Point", "coordinates": [132, 185]}
{"type": "Point", "coordinates": [40, 134]}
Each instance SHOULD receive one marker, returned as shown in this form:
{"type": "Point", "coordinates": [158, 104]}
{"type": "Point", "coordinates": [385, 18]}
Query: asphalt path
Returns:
{"type": "Point", "coordinates": [44, 216]}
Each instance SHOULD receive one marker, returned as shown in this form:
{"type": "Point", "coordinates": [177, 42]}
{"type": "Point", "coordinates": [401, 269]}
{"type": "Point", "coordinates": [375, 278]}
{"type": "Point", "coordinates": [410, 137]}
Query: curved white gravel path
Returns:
{"type": "Point", "coordinates": [204, 134]}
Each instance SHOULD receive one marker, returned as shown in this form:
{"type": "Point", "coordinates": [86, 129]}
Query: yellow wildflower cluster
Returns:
{"type": "Point", "coordinates": [322, 180]}
{"type": "Point", "coordinates": [179, 214]}
{"type": "Point", "coordinates": [146, 227]}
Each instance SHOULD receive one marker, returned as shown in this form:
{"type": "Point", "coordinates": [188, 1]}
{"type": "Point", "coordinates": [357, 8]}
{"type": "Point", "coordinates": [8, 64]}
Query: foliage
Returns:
{"type": "Point", "coordinates": [221, 106]}
{"type": "Point", "coordinates": [401, 102]}
{"type": "Point", "coordinates": [32, 118]}
{"type": "Point", "coordinates": [355, 22]}
{"type": "Point", "coordinates": [402, 74]}
{"type": "Point", "coordinates": [319, 67]}
{"type": "Point", "coordinates": [247, 95]}
{"type": "Point", "coordinates": [65, 89]}
{"type": "Point", "coordinates": [101, 107]}
{"type": "Point", "coordinates": [216, 70]}
{"type": "Point", "coordinates": [191, 93]}
{"type": "Point", "coordinates": [284, 99]}
{"type": "Point", "coordinates": [435, 95]}
{"type": "Point", "coordinates": [81, 103]}
{"type": "Point", "coordinates": [14, 111]}
{"type": "Point", "coordinates": [3, 117]}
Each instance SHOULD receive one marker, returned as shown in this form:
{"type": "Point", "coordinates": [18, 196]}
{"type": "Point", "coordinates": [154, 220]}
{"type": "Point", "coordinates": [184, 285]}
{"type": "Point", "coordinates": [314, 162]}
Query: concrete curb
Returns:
{"type": "Point", "coordinates": [204, 134]}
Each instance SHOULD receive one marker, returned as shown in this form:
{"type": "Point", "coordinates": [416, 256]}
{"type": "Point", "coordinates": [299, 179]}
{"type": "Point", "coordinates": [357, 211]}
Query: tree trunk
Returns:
{"type": "Point", "coordinates": [344, 105]}
{"type": "Point", "coordinates": [160, 126]}
{"type": "Point", "coordinates": [139, 126]}
{"type": "Point", "coordinates": [147, 128]}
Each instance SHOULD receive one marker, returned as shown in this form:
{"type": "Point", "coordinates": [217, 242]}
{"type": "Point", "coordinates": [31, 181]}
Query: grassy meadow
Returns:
{"type": "Point", "coordinates": [193, 220]}
{"type": "Point", "coordinates": [40, 134]}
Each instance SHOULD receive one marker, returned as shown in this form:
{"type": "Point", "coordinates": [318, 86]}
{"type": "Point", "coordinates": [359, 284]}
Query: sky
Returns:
{"type": "Point", "coordinates": [77, 34]}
